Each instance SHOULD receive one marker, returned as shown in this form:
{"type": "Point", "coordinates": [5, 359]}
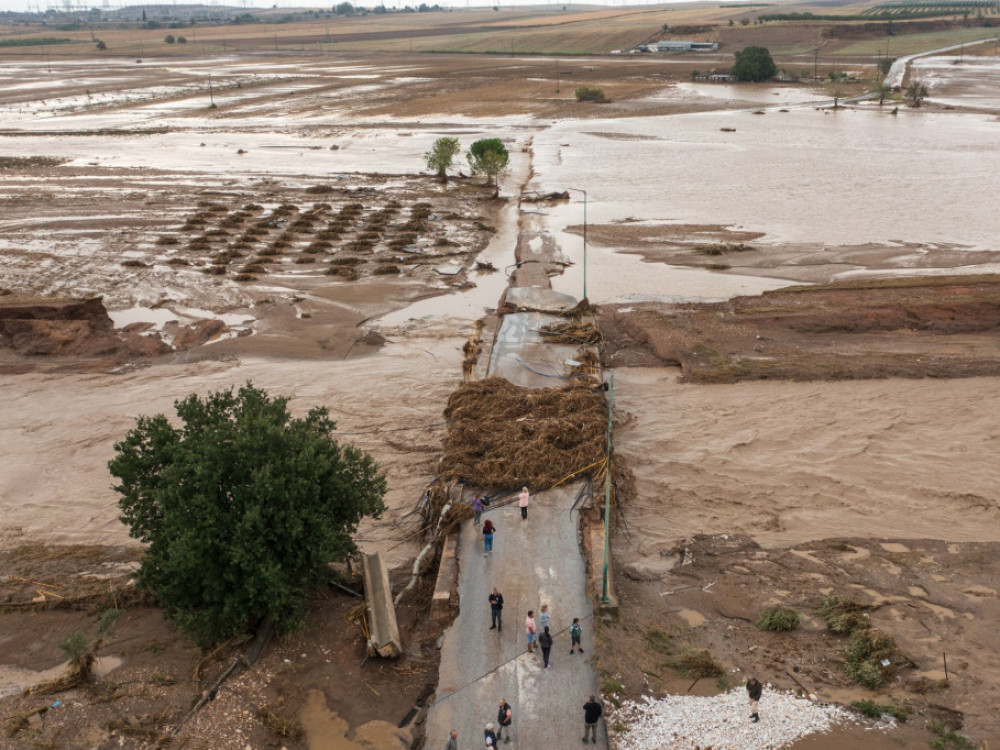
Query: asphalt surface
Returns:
{"type": "Point", "coordinates": [533, 562]}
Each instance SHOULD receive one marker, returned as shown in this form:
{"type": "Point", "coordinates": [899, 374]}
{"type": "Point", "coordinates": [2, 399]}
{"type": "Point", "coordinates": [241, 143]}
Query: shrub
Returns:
{"type": "Point", "coordinates": [590, 94]}
{"type": "Point", "coordinates": [182, 40]}
{"type": "Point", "coordinates": [386, 270]}
{"type": "Point", "coordinates": [169, 39]}
{"type": "Point", "coordinates": [778, 619]}
{"type": "Point", "coordinates": [842, 615]}
{"type": "Point", "coordinates": [865, 652]}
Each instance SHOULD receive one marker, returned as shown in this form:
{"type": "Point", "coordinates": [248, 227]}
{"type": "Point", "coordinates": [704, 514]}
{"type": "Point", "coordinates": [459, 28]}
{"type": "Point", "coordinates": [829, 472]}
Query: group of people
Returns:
{"type": "Point", "coordinates": [479, 504]}
{"type": "Point", "coordinates": [493, 733]}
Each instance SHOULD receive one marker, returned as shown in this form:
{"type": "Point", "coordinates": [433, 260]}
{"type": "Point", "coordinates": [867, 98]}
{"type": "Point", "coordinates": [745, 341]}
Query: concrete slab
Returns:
{"type": "Point", "coordinates": [533, 561]}
{"type": "Point", "coordinates": [382, 626]}
{"type": "Point", "coordinates": [537, 298]}
{"type": "Point", "coordinates": [522, 357]}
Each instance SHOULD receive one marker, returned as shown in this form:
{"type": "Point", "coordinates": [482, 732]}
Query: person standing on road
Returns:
{"type": "Point", "coordinates": [477, 507]}
{"type": "Point", "coordinates": [543, 617]}
{"type": "Point", "coordinates": [496, 610]}
{"type": "Point", "coordinates": [545, 641]}
{"type": "Point", "coordinates": [489, 736]}
{"type": "Point", "coordinates": [488, 531]}
{"type": "Point", "coordinates": [452, 743]}
{"type": "Point", "coordinates": [575, 634]}
{"type": "Point", "coordinates": [754, 690]}
{"type": "Point", "coordinates": [522, 502]}
{"type": "Point", "coordinates": [529, 630]}
{"type": "Point", "coordinates": [504, 718]}
{"type": "Point", "coordinates": [591, 713]}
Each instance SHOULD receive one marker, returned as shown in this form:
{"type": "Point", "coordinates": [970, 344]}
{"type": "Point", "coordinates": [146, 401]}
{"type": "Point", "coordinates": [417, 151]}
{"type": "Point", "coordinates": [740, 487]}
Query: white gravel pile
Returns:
{"type": "Point", "coordinates": [722, 722]}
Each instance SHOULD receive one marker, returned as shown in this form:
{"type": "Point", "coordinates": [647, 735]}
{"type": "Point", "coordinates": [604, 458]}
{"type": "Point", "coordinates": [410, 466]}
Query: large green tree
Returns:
{"type": "Point", "coordinates": [242, 507]}
{"type": "Point", "coordinates": [753, 64]}
{"type": "Point", "coordinates": [489, 157]}
{"type": "Point", "coordinates": [441, 156]}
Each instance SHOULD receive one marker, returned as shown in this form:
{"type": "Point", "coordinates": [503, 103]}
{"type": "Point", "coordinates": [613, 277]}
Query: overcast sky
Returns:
{"type": "Point", "coordinates": [43, 4]}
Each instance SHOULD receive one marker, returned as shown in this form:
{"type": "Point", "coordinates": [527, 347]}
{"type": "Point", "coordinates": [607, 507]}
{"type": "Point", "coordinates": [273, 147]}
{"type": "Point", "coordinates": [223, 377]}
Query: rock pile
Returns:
{"type": "Point", "coordinates": [722, 722]}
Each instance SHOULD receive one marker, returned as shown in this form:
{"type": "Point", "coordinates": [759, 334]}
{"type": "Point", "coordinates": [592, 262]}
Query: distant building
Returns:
{"type": "Point", "coordinates": [685, 46]}
{"type": "Point", "coordinates": [720, 78]}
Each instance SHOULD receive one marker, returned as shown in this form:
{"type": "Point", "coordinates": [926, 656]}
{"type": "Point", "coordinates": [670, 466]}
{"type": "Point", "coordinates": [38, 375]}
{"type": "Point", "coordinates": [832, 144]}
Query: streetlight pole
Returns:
{"type": "Point", "coordinates": [607, 492]}
{"type": "Point", "coordinates": [578, 190]}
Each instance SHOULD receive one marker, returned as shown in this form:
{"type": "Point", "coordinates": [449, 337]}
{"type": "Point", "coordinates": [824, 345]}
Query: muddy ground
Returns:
{"type": "Point", "coordinates": [943, 326]}
{"type": "Point", "coordinates": [938, 600]}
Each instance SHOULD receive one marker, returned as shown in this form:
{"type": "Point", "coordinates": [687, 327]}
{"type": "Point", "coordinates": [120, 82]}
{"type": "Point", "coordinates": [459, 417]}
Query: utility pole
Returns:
{"type": "Point", "coordinates": [607, 492]}
{"type": "Point", "coordinates": [557, 76]}
{"type": "Point", "coordinates": [211, 96]}
{"type": "Point", "coordinates": [275, 42]}
{"type": "Point", "coordinates": [816, 64]}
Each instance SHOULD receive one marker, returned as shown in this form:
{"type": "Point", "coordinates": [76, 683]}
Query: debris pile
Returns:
{"type": "Point", "coordinates": [722, 722]}
{"type": "Point", "coordinates": [503, 436]}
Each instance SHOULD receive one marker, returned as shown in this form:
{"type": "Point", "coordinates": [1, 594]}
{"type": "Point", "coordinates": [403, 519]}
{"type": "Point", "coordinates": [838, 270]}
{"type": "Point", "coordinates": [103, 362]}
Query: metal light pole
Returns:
{"type": "Point", "coordinates": [607, 492]}
{"type": "Point", "coordinates": [578, 190]}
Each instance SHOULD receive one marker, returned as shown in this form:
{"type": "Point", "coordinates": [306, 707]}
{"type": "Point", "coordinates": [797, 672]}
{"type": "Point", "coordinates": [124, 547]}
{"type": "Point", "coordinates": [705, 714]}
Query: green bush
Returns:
{"type": "Point", "coordinates": [589, 94]}
{"type": "Point", "coordinates": [696, 662]}
{"type": "Point", "coordinates": [778, 619]}
{"type": "Point", "coordinates": [842, 615]}
{"type": "Point", "coordinates": [865, 652]}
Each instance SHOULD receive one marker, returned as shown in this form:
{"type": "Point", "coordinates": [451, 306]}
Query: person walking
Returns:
{"type": "Point", "coordinates": [545, 642]}
{"type": "Point", "coordinates": [591, 713]}
{"type": "Point", "coordinates": [522, 502]}
{"type": "Point", "coordinates": [543, 617]}
{"type": "Point", "coordinates": [505, 718]}
{"type": "Point", "coordinates": [575, 634]}
{"type": "Point", "coordinates": [529, 630]}
{"type": "Point", "coordinates": [489, 736]}
{"type": "Point", "coordinates": [496, 610]}
{"type": "Point", "coordinates": [452, 743]}
{"type": "Point", "coordinates": [477, 507]}
{"type": "Point", "coordinates": [754, 690]}
{"type": "Point", "coordinates": [488, 531]}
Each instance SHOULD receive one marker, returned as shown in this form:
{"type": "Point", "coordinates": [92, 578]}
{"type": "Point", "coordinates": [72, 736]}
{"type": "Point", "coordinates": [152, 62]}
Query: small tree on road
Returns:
{"type": "Point", "coordinates": [753, 64]}
{"type": "Point", "coordinates": [489, 157]}
{"type": "Point", "coordinates": [441, 156]}
{"type": "Point", "coordinates": [916, 92]}
{"type": "Point", "coordinates": [242, 508]}
{"type": "Point", "coordinates": [882, 90]}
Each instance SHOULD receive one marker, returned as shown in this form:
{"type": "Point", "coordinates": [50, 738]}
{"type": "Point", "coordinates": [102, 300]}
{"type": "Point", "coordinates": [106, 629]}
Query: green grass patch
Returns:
{"type": "Point", "coordinates": [873, 710]}
{"type": "Point", "coordinates": [34, 41]}
{"type": "Point", "coordinates": [946, 739]}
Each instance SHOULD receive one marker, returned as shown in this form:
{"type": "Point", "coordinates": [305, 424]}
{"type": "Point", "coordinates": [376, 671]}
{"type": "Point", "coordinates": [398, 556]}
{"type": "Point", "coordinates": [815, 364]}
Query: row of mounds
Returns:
{"type": "Point", "coordinates": [863, 328]}
{"type": "Point", "coordinates": [352, 238]}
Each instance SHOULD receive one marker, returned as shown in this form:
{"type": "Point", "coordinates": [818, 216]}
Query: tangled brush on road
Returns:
{"type": "Point", "coordinates": [501, 435]}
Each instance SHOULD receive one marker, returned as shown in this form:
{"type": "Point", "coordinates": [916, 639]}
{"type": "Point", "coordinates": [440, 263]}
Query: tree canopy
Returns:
{"type": "Point", "coordinates": [916, 92]}
{"type": "Point", "coordinates": [489, 157]}
{"type": "Point", "coordinates": [442, 155]}
{"type": "Point", "coordinates": [753, 64]}
{"type": "Point", "coordinates": [242, 507]}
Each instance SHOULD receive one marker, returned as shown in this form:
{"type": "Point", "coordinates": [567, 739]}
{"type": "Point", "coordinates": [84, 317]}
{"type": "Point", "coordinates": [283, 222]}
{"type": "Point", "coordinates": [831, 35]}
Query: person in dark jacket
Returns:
{"type": "Point", "coordinates": [591, 713]}
{"type": "Point", "coordinates": [496, 610]}
{"type": "Point", "coordinates": [452, 741]}
{"type": "Point", "coordinates": [504, 719]}
{"type": "Point", "coordinates": [489, 736]}
{"type": "Point", "coordinates": [545, 642]}
{"type": "Point", "coordinates": [754, 689]}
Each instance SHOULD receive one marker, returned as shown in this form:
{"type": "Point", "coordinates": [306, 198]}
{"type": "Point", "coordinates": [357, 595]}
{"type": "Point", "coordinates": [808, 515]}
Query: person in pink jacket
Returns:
{"type": "Point", "coordinates": [522, 502]}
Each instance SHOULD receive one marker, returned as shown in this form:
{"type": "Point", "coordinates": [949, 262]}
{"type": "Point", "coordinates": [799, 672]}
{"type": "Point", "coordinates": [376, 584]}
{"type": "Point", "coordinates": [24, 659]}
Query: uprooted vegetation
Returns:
{"type": "Point", "coordinates": [501, 435]}
{"type": "Point", "coordinates": [871, 654]}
